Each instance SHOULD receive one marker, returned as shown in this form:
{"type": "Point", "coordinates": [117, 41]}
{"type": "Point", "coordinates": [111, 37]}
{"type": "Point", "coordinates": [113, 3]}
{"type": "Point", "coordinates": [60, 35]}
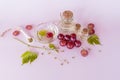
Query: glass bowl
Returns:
{"type": "Point", "coordinates": [46, 32]}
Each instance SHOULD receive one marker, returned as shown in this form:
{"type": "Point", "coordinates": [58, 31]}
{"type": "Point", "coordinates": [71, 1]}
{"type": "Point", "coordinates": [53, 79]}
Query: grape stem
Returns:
{"type": "Point", "coordinates": [2, 35]}
{"type": "Point", "coordinates": [32, 45]}
{"type": "Point", "coordinates": [60, 59]}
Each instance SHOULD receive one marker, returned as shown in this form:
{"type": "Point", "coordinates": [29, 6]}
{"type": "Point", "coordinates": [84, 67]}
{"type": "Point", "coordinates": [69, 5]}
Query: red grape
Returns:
{"type": "Point", "coordinates": [49, 35]}
{"type": "Point", "coordinates": [91, 26]}
{"type": "Point", "coordinates": [91, 31]}
{"type": "Point", "coordinates": [73, 37]}
{"type": "Point", "coordinates": [60, 36]}
{"type": "Point", "coordinates": [16, 33]}
{"type": "Point", "coordinates": [28, 27]}
{"type": "Point", "coordinates": [77, 43]}
{"type": "Point", "coordinates": [67, 37]}
{"type": "Point", "coordinates": [84, 52]}
{"type": "Point", "coordinates": [63, 42]}
{"type": "Point", "coordinates": [70, 44]}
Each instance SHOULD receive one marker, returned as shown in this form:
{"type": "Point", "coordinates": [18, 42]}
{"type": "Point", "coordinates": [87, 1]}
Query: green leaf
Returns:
{"type": "Point", "coordinates": [42, 32]}
{"type": "Point", "coordinates": [96, 41]}
{"type": "Point", "coordinates": [90, 41]}
{"type": "Point", "coordinates": [93, 40]}
{"type": "Point", "coordinates": [28, 56]}
{"type": "Point", "coordinates": [52, 46]}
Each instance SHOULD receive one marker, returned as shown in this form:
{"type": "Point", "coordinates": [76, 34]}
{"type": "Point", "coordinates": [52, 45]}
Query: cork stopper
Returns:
{"type": "Point", "coordinates": [78, 26]}
{"type": "Point", "coordinates": [68, 14]}
{"type": "Point", "coordinates": [85, 30]}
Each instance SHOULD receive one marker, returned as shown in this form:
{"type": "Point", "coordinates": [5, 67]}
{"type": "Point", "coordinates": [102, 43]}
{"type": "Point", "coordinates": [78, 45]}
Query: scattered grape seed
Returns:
{"type": "Point", "coordinates": [42, 53]}
{"type": "Point", "coordinates": [55, 57]}
{"type": "Point", "coordinates": [73, 57]}
{"type": "Point", "coordinates": [62, 64]}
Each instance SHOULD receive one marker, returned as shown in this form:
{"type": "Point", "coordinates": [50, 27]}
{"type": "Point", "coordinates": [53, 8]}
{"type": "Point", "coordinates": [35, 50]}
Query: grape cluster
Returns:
{"type": "Point", "coordinates": [69, 40]}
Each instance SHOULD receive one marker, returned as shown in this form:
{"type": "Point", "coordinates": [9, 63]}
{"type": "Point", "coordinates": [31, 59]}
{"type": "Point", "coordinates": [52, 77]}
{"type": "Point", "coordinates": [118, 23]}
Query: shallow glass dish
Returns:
{"type": "Point", "coordinates": [43, 29]}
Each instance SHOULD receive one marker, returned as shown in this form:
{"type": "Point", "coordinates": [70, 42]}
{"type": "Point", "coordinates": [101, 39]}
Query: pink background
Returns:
{"type": "Point", "coordinates": [97, 66]}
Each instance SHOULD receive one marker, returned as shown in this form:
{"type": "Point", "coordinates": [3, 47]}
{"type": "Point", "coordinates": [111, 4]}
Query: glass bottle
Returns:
{"type": "Point", "coordinates": [67, 24]}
